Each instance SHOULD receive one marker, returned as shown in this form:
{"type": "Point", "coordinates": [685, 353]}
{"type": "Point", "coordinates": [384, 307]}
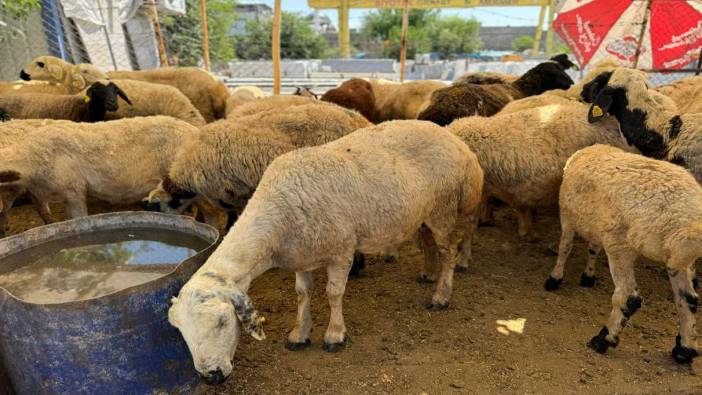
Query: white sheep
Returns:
{"type": "Point", "coordinates": [635, 206]}
{"type": "Point", "coordinates": [117, 161]}
{"type": "Point", "coordinates": [523, 153]}
{"type": "Point", "coordinates": [686, 93]}
{"type": "Point", "coordinates": [270, 103]}
{"type": "Point", "coordinates": [648, 119]}
{"type": "Point", "coordinates": [314, 207]}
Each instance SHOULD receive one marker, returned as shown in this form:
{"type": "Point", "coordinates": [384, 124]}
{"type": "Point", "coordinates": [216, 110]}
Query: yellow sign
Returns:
{"type": "Point", "coordinates": [423, 3]}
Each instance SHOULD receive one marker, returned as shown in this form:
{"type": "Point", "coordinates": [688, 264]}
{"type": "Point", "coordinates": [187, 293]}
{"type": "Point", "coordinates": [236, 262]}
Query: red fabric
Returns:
{"type": "Point", "coordinates": [584, 28]}
{"type": "Point", "coordinates": [676, 33]}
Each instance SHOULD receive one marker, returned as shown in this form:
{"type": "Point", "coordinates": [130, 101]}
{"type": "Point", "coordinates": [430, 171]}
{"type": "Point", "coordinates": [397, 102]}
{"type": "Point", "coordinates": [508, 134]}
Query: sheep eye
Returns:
{"type": "Point", "coordinates": [40, 64]}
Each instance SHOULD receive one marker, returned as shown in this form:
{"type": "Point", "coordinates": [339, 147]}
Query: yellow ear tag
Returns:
{"type": "Point", "coordinates": [597, 111]}
{"type": "Point", "coordinates": [261, 319]}
{"type": "Point", "coordinates": [86, 99]}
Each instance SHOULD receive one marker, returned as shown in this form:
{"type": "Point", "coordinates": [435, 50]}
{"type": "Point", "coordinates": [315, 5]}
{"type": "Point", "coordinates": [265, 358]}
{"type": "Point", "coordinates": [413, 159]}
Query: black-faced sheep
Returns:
{"type": "Point", "coordinates": [648, 119]}
{"type": "Point", "coordinates": [462, 100]}
{"type": "Point", "coordinates": [634, 206]}
{"type": "Point", "coordinates": [355, 94]}
{"type": "Point", "coordinates": [89, 106]}
{"type": "Point", "coordinates": [523, 154]}
{"type": "Point", "coordinates": [116, 161]}
{"type": "Point", "coordinates": [314, 207]}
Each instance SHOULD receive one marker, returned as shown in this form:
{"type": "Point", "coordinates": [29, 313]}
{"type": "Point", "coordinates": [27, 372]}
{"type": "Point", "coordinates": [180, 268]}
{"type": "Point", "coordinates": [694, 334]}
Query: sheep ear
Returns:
{"type": "Point", "coordinates": [120, 92]}
{"type": "Point", "coordinates": [250, 319]}
{"type": "Point", "coordinates": [78, 81]}
{"type": "Point", "coordinates": [599, 107]}
{"type": "Point", "coordinates": [56, 71]}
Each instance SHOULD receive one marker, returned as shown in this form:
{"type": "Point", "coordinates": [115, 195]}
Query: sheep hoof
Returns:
{"type": "Point", "coordinates": [460, 269]}
{"type": "Point", "coordinates": [553, 284]}
{"type": "Point", "coordinates": [683, 354]}
{"type": "Point", "coordinates": [433, 306]}
{"type": "Point", "coordinates": [587, 281]}
{"type": "Point", "coordinates": [600, 343]}
{"type": "Point", "coordinates": [424, 279]}
{"type": "Point", "coordinates": [292, 346]}
{"type": "Point", "coordinates": [335, 347]}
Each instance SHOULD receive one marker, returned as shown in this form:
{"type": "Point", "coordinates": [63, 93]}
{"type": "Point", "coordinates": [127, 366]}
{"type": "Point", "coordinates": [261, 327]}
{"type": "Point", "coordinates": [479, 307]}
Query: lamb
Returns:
{"type": "Point", "coordinates": [635, 206]}
{"type": "Point", "coordinates": [355, 94]}
{"type": "Point", "coordinates": [522, 154]}
{"type": "Point", "coordinates": [314, 207]}
{"type": "Point", "coordinates": [402, 101]}
{"type": "Point", "coordinates": [686, 93]}
{"type": "Point", "coordinates": [649, 120]}
{"type": "Point", "coordinates": [241, 95]}
{"type": "Point", "coordinates": [117, 161]}
{"type": "Point", "coordinates": [147, 98]}
{"type": "Point", "coordinates": [90, 106]}
{"type": "Point", "coordinates": [462, 100]}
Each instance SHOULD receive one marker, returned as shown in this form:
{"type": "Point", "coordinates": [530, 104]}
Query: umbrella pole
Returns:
{"type": "Point", "coordinates": [699, 63]}
{"type": "Point", "coordinates": [403, 49]}
{"type": "Point", "coordinates": [276, 48]}
{"type": "Point", "coordinates": [643, 31]}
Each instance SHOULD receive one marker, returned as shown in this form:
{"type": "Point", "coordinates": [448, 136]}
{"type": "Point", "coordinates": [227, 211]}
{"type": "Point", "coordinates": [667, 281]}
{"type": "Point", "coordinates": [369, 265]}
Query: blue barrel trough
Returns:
{"type": "Point", "coordinates": [119, 343]}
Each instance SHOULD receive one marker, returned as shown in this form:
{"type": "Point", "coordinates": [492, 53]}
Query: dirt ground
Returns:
{"type": "Point", "coordinates": [398, 347]}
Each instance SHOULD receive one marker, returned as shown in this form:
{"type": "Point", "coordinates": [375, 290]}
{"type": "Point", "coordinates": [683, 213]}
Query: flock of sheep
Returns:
{"type": "Point", "coordinates": [309, 184]}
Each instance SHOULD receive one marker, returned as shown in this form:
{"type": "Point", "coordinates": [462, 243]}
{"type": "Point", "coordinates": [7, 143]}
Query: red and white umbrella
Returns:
{"type": "Point", "coordinates": [599, 29]}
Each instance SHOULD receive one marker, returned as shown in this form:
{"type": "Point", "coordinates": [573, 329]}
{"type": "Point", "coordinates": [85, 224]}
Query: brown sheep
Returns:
{"type": "Point", "coordinates": [463, 100]}
{"type": "Point", "coordinates": [355, 94]}
{"type": "Point", "coordinates": [402, 101]}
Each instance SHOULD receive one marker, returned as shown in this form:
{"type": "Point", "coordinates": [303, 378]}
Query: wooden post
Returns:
{"type": "Point", "coordinates": [403, 49]}
{"type": "Point", "coordinates": [344, 32]}
{"type": "Point", "coordinates": [539, 29]}
{"type": "Point", "coordinates": [276, 48]}
{"type": "Point", "coordinates": [205, 34]}
{"type": "Point", "coordinates": [647, 13]}
{"type": "Point", "coordinates": [163, 56]}
{"type": "Point", "coordinates": [549, 28]}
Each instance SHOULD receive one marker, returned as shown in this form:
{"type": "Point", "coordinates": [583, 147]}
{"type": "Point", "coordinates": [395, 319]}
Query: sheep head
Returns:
{"type": "Point", "coordinates": [609, 92]}
{"type": "Point", "coordinates": [46, 68]}
{"type": "Point", "coordinates": [208, 311]}
{"type": "Point", "coordinates": [544, 77]}
{"type": "Point", "coordinates": [102, 98]}
{"type": "Point", "coordinates": [169, 198]}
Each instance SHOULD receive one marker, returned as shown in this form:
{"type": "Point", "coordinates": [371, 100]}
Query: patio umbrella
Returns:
{"type": "Point", "coordinates": [666, 34]}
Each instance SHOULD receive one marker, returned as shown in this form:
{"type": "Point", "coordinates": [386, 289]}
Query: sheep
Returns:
{"type": "Point", "coordinates": [464, 100]}
{"type": "Point", "coordinates": [270, 103]}
{"type": "Point", "coordinates": [314, 207]}
{"type": "Point", "coordinates": [206, 92]}
{"type": "Point", "coordinates": [686, 93]}
{"type": "Point", "coordinates": [7, 88]}
{"type": "Point", "coordinates": [116, 161]}
{"type": "Point", "coordinates": [402, 101]}
{"type": "Point", "coordinates": [355, 94]}
{"type": "Point", "coordinates": [558, 96]}
{"type": "Point", "coordinates": [241, 95]}
{"type": "Point", "coordinates": [148, 98]}
{"type": "Point", "coordinates": [635, 206]}
{"type": "Point", "coordinates": [485, 78]}
{"type": "Point", "coordinates": [648, 119]}
{"type": "Point", "coordinates": [305, 91]}
{"type": "Point", "coordinates": [90, 106]}
{"type": "Point", "coordinates": [522, 154]}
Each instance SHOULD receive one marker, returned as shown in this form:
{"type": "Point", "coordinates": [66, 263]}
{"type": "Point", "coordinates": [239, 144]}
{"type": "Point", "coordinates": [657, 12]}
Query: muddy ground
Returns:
{"type": "Point", "coordinates": [398, 347]}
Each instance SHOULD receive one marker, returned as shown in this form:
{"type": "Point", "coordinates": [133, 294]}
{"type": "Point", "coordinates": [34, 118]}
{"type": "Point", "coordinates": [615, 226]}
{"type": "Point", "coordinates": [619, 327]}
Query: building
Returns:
{"type": "Point", "coordinates": [246, 12]}
{"type": "Point", "coordinates": [321, 23]}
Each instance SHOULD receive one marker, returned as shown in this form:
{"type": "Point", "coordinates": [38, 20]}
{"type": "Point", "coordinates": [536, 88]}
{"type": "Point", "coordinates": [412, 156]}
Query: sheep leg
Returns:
{"type": "Point", "coordinates": [445, 251]}
{"type": "Point", "coordinates": [564, 247]}
{"type": "Point", "coordinates": [428, 245]}
{"type": "Point", "coordinates": [487, 215]}
{"type": "Point", "coordinates": [76, 207]}
{"type": "Point", "coordinates": [587, 279]}
{"type": "Point", "coordinates": [625, 300]}
{"type": "Point", "coordinates": [525, 219]}
{"type": "Point", "coordinates": [465, 258]}
{"type": "Point", "coordinates": [43, 209]}
{"type": "Point", "coordinates": [337, 275]}
{"type": "Point", "coordinates": [299, 337]}
{"type": "Point", "coordinates": [687, 301]}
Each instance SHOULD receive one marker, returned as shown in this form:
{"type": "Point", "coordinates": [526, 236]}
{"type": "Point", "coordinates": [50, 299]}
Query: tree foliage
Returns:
{"type": "Point", "coordinates": [18, 8]}
{"type": "Point", "coordinates": [297, 39]}
{"type": "Point", "coordinates": [183, 34]}
{"type": "Point", "coordinates": [427, 32]}
{"type": "Point", "coordinates": [522, 43]}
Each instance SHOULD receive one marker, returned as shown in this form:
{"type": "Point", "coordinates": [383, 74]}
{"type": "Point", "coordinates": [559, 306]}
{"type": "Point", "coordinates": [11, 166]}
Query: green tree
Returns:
{"type": "Point", "coordinates": [454, 34]}
{"type": "Point", "coordinates": [522, 43]}
{"type": "Point", "coordinates": [297, 39]}
{"type": "Point", "coordinates": [381, 23]}
{"type": "Point", "coordinates": [18, 8]}
{"type": "Point", "coordinates": [183, 34]}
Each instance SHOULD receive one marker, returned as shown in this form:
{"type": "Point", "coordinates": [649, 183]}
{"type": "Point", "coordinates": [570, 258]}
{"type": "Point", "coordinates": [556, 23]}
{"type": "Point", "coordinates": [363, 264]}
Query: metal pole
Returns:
{"type": "Point", "coordinates": [205, 34]}
{"type": "Point", "coordinates": [641, 34]}
{"type": "Point", "coordinates": [699, 63]}
{"type": "Point", "coordinates": [276, 48]}
{"type": "Point", "coordinates": [344, 33]}
{"type": "Point", "coordinates": [539, 29]}
{"type": "Point", "coordinates": [403, 49]}
{"type": "Point", "coordinates": [153, 14]}
{"type": "Point", "coordinates": [549, 28]}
